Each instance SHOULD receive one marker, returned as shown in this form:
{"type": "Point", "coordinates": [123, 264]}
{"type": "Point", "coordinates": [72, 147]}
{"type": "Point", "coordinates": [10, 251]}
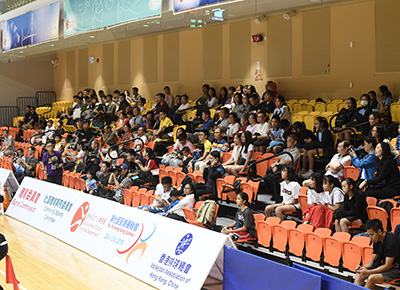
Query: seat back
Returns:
{"type": "Point", "coordinates": [247, 188]}
{"type": "Point", "coordinates": [135, 198]}
{"type": "Point", "coordinates": [361, 240]}
{"type": "Point", "coordinates": [379, 213]}
{"type": "Point", "coordinates": [367, 254]}
{"type": "Point", "coordinates": [127, 197]}
{"type": "Point", "coordinates": [332, 251]}
{"type": "Point", "coordinates": [296, 241]}
{"type": "Point", "coordinates": [313, 246]}
{"type": "Point", "coordinates": [180, 176]}
{"type": "Point", "coordinates": [351, 172]}
{"type": "Point", "coordinates": [289, 224]}
{"type": "Point", "coordinates": [395, 217]}
{"type": "Point", "coordinates": [342, 236]}
{"type": "Point", "coordinates": [264, 230]}
{"type": "Point", "coordinates": [371, 201]}
{"type": "Point", "coordinates": [305, 228]}
{"type": "Point", "coordinates": [172, 174]}
{"type": "Point", "coordinates": [162, 173]}
{"type": "Point", "coordinates": [351, 255]}
{"type": "Point", "coordinates": [280, 237]}
{"type": "Point", "coordinates": [144, 198]}
{"type": "Point", "coordinates": [324, 232]}
{"type": "Point", "coordinates": [303, 200]}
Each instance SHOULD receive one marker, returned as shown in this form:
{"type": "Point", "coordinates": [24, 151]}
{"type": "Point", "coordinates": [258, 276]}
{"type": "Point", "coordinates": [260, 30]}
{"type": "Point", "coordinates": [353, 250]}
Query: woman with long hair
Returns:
{"type": "Point", "coordinates": [189, 190]}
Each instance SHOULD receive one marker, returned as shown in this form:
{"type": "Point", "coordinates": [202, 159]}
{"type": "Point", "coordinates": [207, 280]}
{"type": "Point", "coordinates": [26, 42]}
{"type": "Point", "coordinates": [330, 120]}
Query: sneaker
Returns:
{"type": "Point", "coordinates": [301, 172]}
{"type": "Point", "coordinates": [307, 174]}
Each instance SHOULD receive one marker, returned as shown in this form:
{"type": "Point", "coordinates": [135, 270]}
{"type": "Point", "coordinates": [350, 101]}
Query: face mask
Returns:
{"type": "Point", "coordinates": [364, 103]}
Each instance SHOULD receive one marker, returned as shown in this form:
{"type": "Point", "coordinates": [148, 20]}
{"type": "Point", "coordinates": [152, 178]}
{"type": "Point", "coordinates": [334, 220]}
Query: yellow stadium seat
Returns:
{"type": "Point", "coordinates": [190, 115]}
{"type": "Point", "coordinates": [395, 111]}
{"type": "Point", "coordinates": [309, 121]}
{"type": "Point", "coordinates": [341, 106]}
{"type": "Point", "coordinates": [331, 107]}
{"type": "Point", "coordinates": [302, 113]}
{"type": "Point", "coordinates": [296, 107]}
{"type": "Point", "coordinates": [307, 107]}
{"type": "Point", "coordinates": [303, 101]}
{"type": "Point", "coordinates": [337, 101]}
{"type": "Point", "coordinates": [297, 118]}
{"type": "Point", "coordinates": [320, 106]}
{"type": "Point", "coordinates": [311, 102]}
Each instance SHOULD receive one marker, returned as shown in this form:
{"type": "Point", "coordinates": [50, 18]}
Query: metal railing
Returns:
{"type": "Point", "coordinates": [252, 171]}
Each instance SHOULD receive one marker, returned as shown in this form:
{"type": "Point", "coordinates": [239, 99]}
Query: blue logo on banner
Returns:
{"type": "Point", "coordinates": [184, 244]}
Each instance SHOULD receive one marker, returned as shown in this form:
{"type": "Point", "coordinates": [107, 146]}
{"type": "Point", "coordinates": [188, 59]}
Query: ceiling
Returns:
{"type": "Point", "coordinates": [169, 21]}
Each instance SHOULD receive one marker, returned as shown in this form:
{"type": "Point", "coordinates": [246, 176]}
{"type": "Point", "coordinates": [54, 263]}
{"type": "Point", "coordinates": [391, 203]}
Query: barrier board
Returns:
{"type": "Point", "coordinates": [164, 253]}
{"type": "Point", "coordinates": [8, 179]}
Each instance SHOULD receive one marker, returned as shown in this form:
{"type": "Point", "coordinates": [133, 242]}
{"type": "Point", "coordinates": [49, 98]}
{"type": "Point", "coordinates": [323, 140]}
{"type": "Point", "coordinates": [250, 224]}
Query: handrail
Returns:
{"type": "Point", "coordinates": [339, 130]}
{"type": "Point", "coordinates": [124, 142]}
{"type": "Point", "coordinates": [45, 106]}
{"type": "Point", "coordinates": [253, 165]}
{"type": "Point", "coordinates": [41, 135]}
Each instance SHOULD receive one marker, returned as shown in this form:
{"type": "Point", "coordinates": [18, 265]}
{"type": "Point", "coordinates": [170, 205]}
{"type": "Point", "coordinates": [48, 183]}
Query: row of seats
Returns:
{"type": "Point", "coordinates": [318, 245]}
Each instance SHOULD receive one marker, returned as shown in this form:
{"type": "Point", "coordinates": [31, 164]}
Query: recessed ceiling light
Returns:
{"type": "Point", "coordinates": [21, 51]}
{"type": "Point", "coordinates": [146, 25]}
{"type": "Point", "coordinates": [92, 36]}
{"type": "Point", "coordinates": [51, 44]}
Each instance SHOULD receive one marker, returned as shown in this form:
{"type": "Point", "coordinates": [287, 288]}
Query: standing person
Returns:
{"type": "Point", "coordinates": [243, 227]}
{"type": "Point", "coordinates": [384, 265]}
{"type": "Point", "coordinates": [52, 162]}
{"type": "Point", "coordinates": [169, 98]}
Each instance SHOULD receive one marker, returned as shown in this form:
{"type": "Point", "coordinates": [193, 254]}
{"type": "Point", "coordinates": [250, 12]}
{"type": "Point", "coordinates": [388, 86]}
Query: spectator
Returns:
{"type": "Point", "coordinates": [212, 100]}
{"type": "Point", "coordinates": [92, 158]}
{"type": "Point", "coordinates": [387, 180]}
{"type": "Point", "coordinates": [243, 227]}
{"type": "Point", "coordinates": [135, 94]}
{"type": "Point", "coordinates": [103, 179]}
{"type": "Point", "coordinates": [199, 164]}
{"type": "Point", "coordinates": [223, 121]}
{"type": "Point", "coordinates": [150, 171]}
{"type": "Point", "coordinates": [367, 164]}
{"type": "Point", "coordinates": [169, 98]}
{"type": "Point", "coordinates": [219, 143]}
{"type": "Point", "coordinates": [141, 104]}
{"type": "Point", "coordinates": [123, 103]}
{"type": "Point", "coordinates": [381, 135]}
{"type": "Point", "coordinates": [9, 145]}
{"type": "Point", "coordinates": [188, 201]}
{"type": "Point", "coordinates": [339, 161]}
{"type": "Point", "coordinates": [290, 190]}
{"type": "Point", "coordinates": [207, 122]}
{"type": "Point", "coordinates": [173, 109]}
{"type": "Point", "coordinates": [161, 105]}
{"type": "Point", "coordinates": [354, 210]}
{"type": "Point", "coordinates": [212, 171]}
{"type": "Point", "coordinates": [237, 105]}
{"type": "Point", "coordinates": [256, 106]}
{"type": "Point", "coordinates": [127, 135]}
{"type": "Point", "coordinates": [322, 144]}
{"type": "Point", "coordinates": [139, 145]}
{"type": "Point", "coordinates": [90, 183]}
{"type": "Point", "coordinates": [117, 179]}
{"type": "Point", "coordinates": [109, 138]}
{"type": "Point", "coordinates": [233, 126]}
{"type": "Point", "coordinates": [182, 110]}
{"type": "Point", "coordinates": [137, 118]}
{"type": "Point", "coordinates": [384, 99]}
{"type": "Point", "coordinates": [179, 145]}
{"type": "Point", "coordinates": [166, 126]}
{"type": "Point", "coordinates": [384, 265]}
{"type": "Point", "coordinates": [167, 205]}
{"type": "Point", "coordinates": [246, 107]}
{"type": "Point", "coordinates": [161, 194]}
{"type": "Point", "coordinates": [260, 136]}
{"type": "Point", "coordinates": [281, 109]}
{"type": "Point", "coordinates": [302, 133]}
{"type": "Point", "coordinates": [237, 140]}
{"type": "Point", "coordinates": [315, 191]}
{"type": "Point", "coordinates": [373, 103]}
{"type": "Point", "coordinates": [52, 162]}
{"type": "Point", "coordinates": [86, 134]}
{"type": "Point", "coordinates": [29, 163]}
{"type": "Point", "coordinates": [245, 157]}
{"type": "Point", "coordinates": [268, 104]}
{"type": "Point", "coordinates": [276, 135]}
{"type": "Point", "coordinates": [345, 118]}
{"type": "Point", "coordinates": [252, 127]}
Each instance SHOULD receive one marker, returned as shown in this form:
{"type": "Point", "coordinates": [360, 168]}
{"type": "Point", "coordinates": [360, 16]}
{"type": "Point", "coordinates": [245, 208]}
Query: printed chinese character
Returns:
{"type": "Point", "coordinates": [28, 196]}
{"type": "Point", "coordinates": [176, 263]}
{"type": "Point", "coordinates": [166, 261]}
{"type": "Point", "coordinates": [188, 266]}
{"type": "Point", "coordinates": [33, 196]}
{"type": "Point", "coordinates": [161, 258]}
{"type": "Point", "coordinates": [181, 266]}
{"type": "Point", "coordinates": [170, 262]}
{"type": "Point", "coordinates": [37, 198]}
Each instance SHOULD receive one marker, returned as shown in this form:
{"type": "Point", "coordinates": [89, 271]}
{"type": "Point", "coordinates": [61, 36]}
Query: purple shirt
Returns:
{"type": "Point", "coordinates": [51, 162]}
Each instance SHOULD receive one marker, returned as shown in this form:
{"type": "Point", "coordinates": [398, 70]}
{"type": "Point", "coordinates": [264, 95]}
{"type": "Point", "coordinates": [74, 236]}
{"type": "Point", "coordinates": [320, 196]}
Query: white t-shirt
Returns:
{"type": "Point", "coordinates": [161, 193]}
{"type": "Point", "coordinates": [139, 144]}
{"type": "Point", "coordinates": [262, 129]}
{"type": "Point", "coordinates": [232, 129]}
{"type": "Point", "coordinates": [250, 148]}
{"type": "Point", "coordinates": [183, 107]}
{"type": "Point", "coordinates": [344, 161]}
{"type": "Point", "coordinates": [336, 196]}
{"type": "Point", "coordinates": [235, 152]}
{"type": "Point", "coordinates": [314, 197]}
{"type": "Point", "coordinates": [290, 191]}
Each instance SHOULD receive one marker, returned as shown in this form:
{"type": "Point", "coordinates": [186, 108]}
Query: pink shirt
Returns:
{"type": "Point", "coordinates": [178, 146]}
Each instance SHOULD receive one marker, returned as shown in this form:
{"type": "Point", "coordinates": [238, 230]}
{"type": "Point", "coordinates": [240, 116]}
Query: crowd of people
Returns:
{"type": "Point", "coordinates": [237, 120]}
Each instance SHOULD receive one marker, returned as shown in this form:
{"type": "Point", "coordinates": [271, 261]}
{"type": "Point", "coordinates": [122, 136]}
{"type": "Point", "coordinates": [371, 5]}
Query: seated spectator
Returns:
{"type": "Point", "coordinates": [166, 127]}
{"type": "Point", "coordinates": [161, 105]}
{"type": "Point", "coordinates": [381, 135]}
{"type": "Point", "coordinates": [387, 180]}
{"type": "Point", "coordinates": [121, 122]}
{"type": "Point", "coordinates": [141, 104]}
{"type": "Point", "coordinates": [108, 138]}
{"type": "Point", "coordinates": [49, 132]}
{"type": "Point", "coordinates": [179, 145]}
{"type": "Point", "coordinates": [302, 133]}
{"type": "Point", "coordinates": [281, 109]}
{"type": "Point", "coordinates": [256, 106]}
{"type": "Point", "coordinates": [149, 171]}
{"type": "Point", "coordinates": [172, 113]}
{"type": "Point", "coordinates": [384, 99]}
{"type": "Point", "coordinates": [90, 183]}
{"type": "Point", "coordinates": [57, 143]}
{"type": "Point", "coordinates": [199, 164]}
{"type": "Point", "coordinates": [322, 215]}
{"type": "Point", "coordinates": [260, 136]}
{"type": "Point", "coordinates": [92, 159]}
{"type": "Point", "coordinates": [268, 102]}
{"type": "Point", "coordinates": [237, 105]}
{"type": "Point", "coordinates": [219, 143]}
{"type": "Point", "coordinates": [166, 205]}
{"type": "Point", "coordinates": [180, 114]}
{"type": "Point", "coordinates": [135, 94]}
{"type": "Point", "coordinates": [161, 196]}
{"type": "Point", "coordinates": [290, 190]}
{"type": "Point", "coordinates": [188, 201]}
{"type": "Point", "coordinates": [117, 179]}
{"type": "Point", "coordinates": [127, 135]}
{"type": "Point", "coordinates": [367, 164]}
{"type": "Point", "coordinates": [223, 121]}
{"type": "Point", "coordinates": [384, 265]}
{"type": "Point", "coordinates": [246, 107]}
{"type": "Point", "coordinates": [354, 210]}
{"type": "Point", "coordinates": [137, 118]}
{"type": "Point", "coordinates": [243, 227]}
{"type": "Point", "coordinates": [29, 163]}
{"type": "Point", "coordinates": [245, 157]}
{"type": "Point", "coordinates": [322, 144]}
{"type": "Point", "coordinates": [169, 98]}
{"type": "Point", "coordinates": [212, 100]}
{"type": "Point", "coordinates": [237, 140]}
{"type": "Point", "coordinates": [315, 191]}
{"type": "Point", "coordinates": [148, 120]}
{"type": "Point", "coordinates": [346, 117]}
{"type": "Point", "coordinates": [8, 146]}
{"type": "Point", "coordinates": [252, 127]}
{"type": "Point", "coordinates": [274, 172]}
{"type": "Point", "coordinates": [339, 161]}
{"type": "Point", "coordinates": [360, 120]}
{"type": "Point", "coordinates": [276, 135]}
{"type": "Point", "coordinates": [86, 134]}
{"type": "Point", "coordinates": [103, 179]}
{"type": "Point", "coordinates": [207, 122]}
{"type": "Point", "coordinates": [244, 122]}
{"type": "Point", "coordinates": [373, 102]}
{"type": "Point", "coordinates": [212, 171]}
{"type": "Point", "coordinates": [233, 126]}
{"type": "Point", "coordinates": [59, 129]}
{"type": "Point", "coordinates": [139, 145]}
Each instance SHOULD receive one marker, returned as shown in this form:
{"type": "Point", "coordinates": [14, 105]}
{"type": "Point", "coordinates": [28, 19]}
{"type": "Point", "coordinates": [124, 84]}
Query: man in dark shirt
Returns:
{"type": "Point", "coordinates": [161, 104]}
{"type": "Point", "coordinates": [30, 162]}
{"type": "Point", "coordinates": [255, 103]}
{"type": "Point", "coordinates": [384, 265]}
{"type": "Point", "coordinates": [123, 104]}
{"type": "Point", "coordinates": [86, 134]}
{"type": "Point", "coordinates": [103, 178]}
{"type": "Point", "coordinates": [268, 104]}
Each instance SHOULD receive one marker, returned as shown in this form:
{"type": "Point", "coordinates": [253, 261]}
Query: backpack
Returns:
{"type": "Point", "coordinates": [387, 206]}
{"type": "Point", "coordinates": [342, 118]}
{"type": "Point", "coordinates": [206, 212]}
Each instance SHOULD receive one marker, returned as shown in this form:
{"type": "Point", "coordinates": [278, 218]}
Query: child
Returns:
{"type": "Point", "coordinates": [276, 135]}
{"type": "Point", "coordinates": [243, 227]}
{"type": "Point", "coordinates": [169, 204]}
{"type": "Point", "coordinates": [90, 185]}
{"type": "Point", "coordinates": [290, 190]}
{"type": "Point", "coordinates": [182, 156]}
{"type": "Point", "coordinates": [354, 210]}
{"type": "Point", "coordinates": [57, 147]}
{"type": "Point", "coordinates": [315, 191]}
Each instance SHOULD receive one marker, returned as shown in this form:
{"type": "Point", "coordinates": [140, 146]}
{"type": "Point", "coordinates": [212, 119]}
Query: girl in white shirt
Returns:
{"type": "Point", "coordinates": [315, 192]}
{"type": "Point", "coordinates": [246, 155]}
{"type": "Point", "coordinates": [235, 154]}
{"type": "Point", "coordinates": [187, 202]}
{"type": "Point", "coordinates": [290, 190]}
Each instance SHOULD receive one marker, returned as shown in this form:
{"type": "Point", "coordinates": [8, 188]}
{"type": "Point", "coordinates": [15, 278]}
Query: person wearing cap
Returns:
{"type": "Point", "coordinates": [116, 179]}
{"type": "Point", "coordinates": [52, 161]}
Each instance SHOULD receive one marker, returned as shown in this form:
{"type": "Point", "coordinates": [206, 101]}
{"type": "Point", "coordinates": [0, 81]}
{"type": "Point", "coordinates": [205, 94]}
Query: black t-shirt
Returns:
{"type": "Point", "coordinates": [103, 179]}
{"type": "Point", "coordinates": [85, 134]}
{"type": "Point", "coordinates": [133, 167]}
{"type": "Point", "coordinates": [245, 218]}
{"type": "Point", "coordinates": [27, 118]}
{"type": "Point", "coordinates": [123, 105]}
{"type": "Point", "coordinates": [389, 248]}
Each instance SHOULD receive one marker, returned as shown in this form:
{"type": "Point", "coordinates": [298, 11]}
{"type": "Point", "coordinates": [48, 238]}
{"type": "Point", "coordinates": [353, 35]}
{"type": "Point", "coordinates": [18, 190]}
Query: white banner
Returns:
{"type": "Point", "coordinates": [164, 253]}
